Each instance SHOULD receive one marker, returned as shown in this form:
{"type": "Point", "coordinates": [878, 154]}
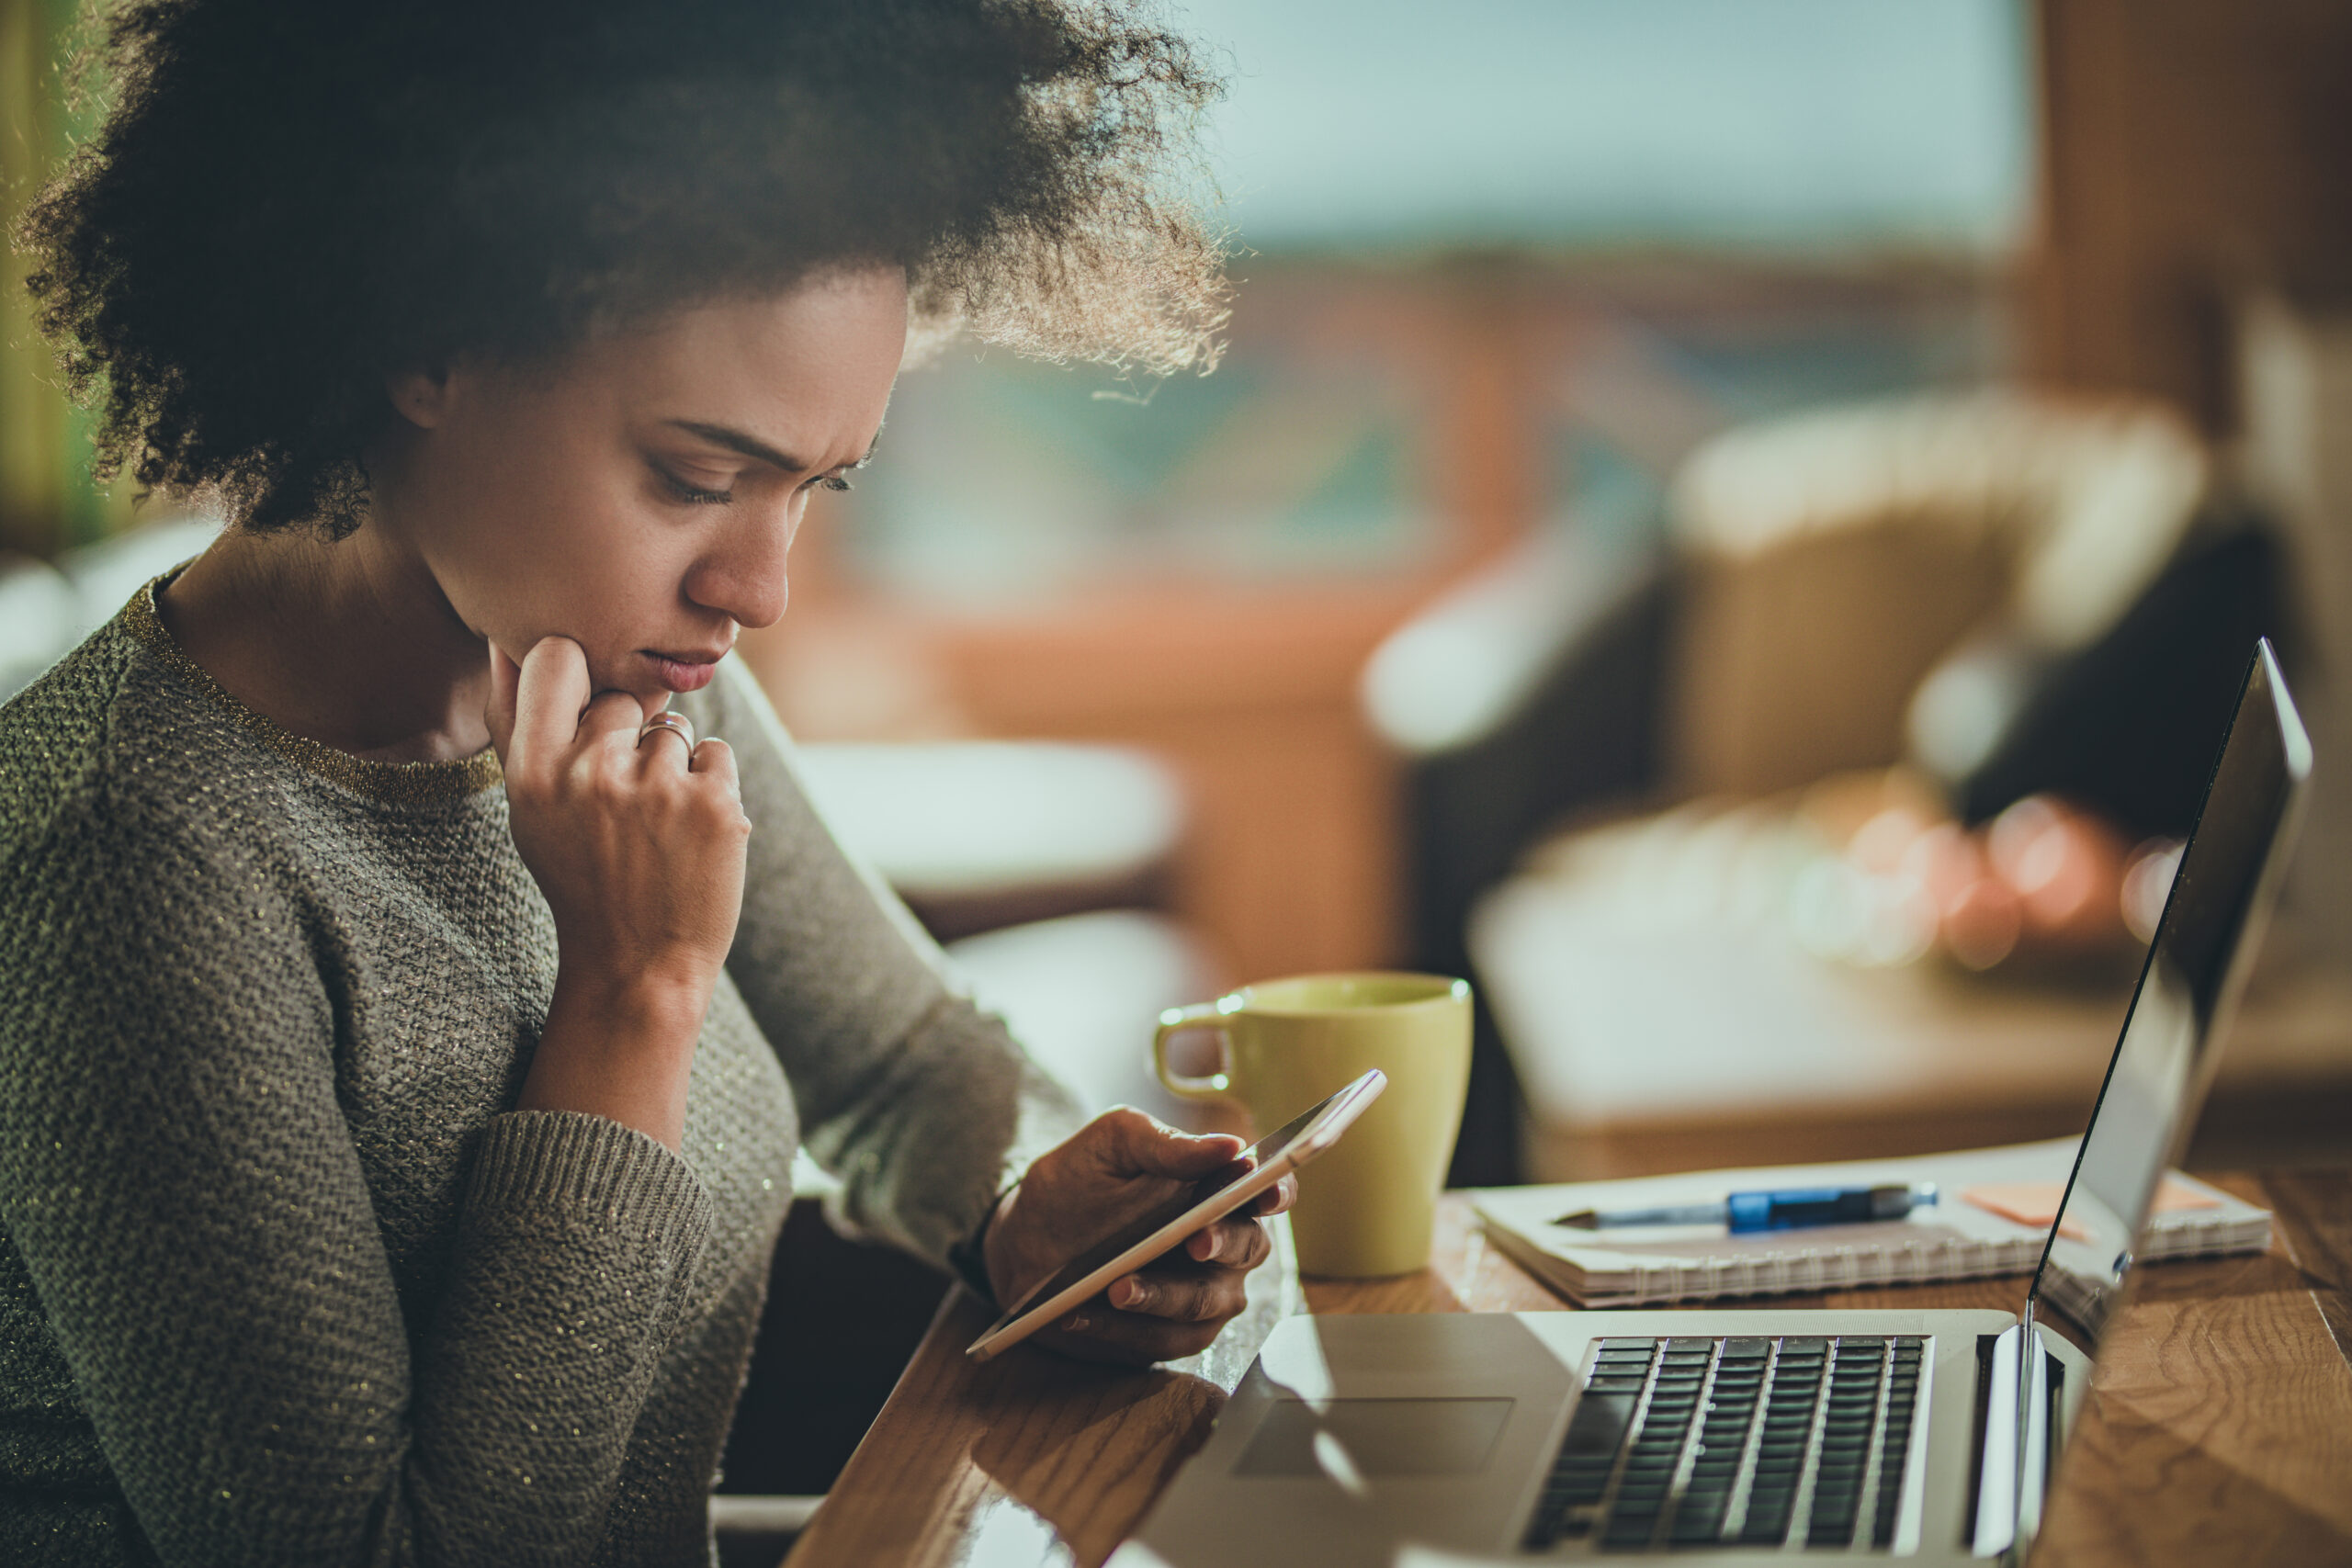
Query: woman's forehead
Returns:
{"type": "Point", "coordinates": [798, 367]}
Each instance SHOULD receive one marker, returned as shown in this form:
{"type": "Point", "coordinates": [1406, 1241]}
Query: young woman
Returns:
{"type": "Point", "coordinates": [418, 963]}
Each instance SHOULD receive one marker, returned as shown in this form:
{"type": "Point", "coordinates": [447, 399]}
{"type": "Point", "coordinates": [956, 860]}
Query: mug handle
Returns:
{"type": "Point", "coordinates": [1175, 1022]}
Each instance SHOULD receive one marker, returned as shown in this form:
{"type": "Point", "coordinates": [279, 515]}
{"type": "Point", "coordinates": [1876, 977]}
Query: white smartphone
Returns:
{"type": "Point", "coordinates": [1132, 1247]}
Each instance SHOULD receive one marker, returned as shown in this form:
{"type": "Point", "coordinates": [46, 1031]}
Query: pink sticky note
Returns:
{"type": "Point", "coordinates": [2035, 1203]}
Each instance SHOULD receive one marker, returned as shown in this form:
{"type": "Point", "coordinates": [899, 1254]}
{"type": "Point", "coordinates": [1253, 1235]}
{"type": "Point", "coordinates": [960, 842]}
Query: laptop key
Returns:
{"type": "Point", "coordinates": [1599, 1425]}
{"type": "Point", "coordinates": [1695, 1528]}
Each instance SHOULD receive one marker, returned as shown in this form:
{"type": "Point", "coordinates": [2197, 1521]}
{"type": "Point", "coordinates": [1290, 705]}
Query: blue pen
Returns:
{"type": "Point", "coordinates": [1792, 1209]}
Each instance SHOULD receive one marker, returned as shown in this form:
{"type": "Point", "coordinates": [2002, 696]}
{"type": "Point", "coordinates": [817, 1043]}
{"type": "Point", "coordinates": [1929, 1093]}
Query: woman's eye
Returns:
{"type": "Point", "coordinates": [833, 482]}
{"type": "Point", "coordinates": [691, 493]}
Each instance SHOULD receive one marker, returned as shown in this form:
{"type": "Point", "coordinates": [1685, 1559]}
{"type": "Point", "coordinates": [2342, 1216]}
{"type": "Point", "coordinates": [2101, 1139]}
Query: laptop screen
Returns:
{"type": "Point", "coordinates": [2210, 927]}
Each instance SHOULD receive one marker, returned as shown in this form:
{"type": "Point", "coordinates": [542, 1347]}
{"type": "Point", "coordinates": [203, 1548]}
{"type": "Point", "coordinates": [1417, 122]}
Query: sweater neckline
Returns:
{"type": "Point", "coordinates": [399, 783]}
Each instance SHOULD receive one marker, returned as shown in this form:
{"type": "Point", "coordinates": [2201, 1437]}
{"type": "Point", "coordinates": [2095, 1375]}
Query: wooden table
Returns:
{"type": "Point", "coordinates": [2220, 1430]}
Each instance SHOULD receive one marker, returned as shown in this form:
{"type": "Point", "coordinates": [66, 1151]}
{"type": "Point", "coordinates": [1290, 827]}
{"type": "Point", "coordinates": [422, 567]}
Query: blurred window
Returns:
{"type": "Point", "coordinates": [1000, 479]}
{"type": "Point", "coordinates": [1686, 122]}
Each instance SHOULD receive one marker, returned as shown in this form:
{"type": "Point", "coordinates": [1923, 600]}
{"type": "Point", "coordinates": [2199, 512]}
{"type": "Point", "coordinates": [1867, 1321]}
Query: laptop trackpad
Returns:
{"type": "Point", "coordinates": [1375, 1438]}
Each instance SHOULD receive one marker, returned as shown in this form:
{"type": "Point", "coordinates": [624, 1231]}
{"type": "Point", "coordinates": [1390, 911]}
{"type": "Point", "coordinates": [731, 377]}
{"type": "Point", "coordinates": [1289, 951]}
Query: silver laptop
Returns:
{"type": "Point", "coordinates": [1720, 1436]}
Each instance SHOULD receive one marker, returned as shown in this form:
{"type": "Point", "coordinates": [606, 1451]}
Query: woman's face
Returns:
{"type": "Point", "coordinates": [640, 495]}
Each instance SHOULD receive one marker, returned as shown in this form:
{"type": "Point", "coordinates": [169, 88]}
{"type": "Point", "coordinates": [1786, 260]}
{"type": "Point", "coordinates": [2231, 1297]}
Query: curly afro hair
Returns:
{"type": "Point", "coordinates": [288, 200]}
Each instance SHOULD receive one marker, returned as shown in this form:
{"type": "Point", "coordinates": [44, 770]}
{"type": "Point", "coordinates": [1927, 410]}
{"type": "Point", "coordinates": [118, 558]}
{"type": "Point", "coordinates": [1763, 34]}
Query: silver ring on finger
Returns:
{"type": "Point", "coordinates": [677, 723]}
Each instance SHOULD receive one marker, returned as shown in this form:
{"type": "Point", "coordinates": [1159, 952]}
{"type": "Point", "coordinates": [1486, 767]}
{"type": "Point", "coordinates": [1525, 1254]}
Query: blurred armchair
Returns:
{"type": "Point", "coordinates": [1837, 560]}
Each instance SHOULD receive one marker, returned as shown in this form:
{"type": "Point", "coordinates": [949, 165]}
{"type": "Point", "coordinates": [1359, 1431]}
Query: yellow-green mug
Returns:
{"type": "Point", "coordinates": [1367, 1205]}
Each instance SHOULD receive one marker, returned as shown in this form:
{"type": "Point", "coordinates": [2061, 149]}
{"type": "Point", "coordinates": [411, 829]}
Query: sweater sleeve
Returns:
{"type": "Point", "coordinates": [177, 1174]}
{"type": "Point", "coordinates": [923, 1105]}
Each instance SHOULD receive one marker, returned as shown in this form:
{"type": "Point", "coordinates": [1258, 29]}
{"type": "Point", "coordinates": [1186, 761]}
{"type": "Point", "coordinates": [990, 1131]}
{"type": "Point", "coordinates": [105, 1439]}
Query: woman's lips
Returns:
{"type": "Point", "coordinates": [683, 673]}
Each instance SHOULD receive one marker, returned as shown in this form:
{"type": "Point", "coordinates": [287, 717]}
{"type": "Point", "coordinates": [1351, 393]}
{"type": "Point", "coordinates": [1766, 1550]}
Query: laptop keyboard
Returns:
{"type": "Point", "coordinates": [1696, 1442]}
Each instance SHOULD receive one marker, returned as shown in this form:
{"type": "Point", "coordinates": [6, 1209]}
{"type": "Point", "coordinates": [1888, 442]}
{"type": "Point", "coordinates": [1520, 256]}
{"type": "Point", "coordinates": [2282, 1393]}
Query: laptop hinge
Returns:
{"type": "Point", "coordinates": [1996, 1460]}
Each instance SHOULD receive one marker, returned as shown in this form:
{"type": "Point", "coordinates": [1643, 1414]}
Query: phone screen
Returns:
{"type": "Point", "coordinates": [1256, 1157]}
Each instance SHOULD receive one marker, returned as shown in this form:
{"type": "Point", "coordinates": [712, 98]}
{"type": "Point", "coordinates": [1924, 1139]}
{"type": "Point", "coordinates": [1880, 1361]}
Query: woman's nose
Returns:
{"type": "Point", "coordinates": [743, 575]}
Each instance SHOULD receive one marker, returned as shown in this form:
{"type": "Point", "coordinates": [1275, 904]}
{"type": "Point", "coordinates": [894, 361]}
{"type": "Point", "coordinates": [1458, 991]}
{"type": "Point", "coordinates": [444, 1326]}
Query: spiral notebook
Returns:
{"type": "Point", "coordinates": [1991, 1216]}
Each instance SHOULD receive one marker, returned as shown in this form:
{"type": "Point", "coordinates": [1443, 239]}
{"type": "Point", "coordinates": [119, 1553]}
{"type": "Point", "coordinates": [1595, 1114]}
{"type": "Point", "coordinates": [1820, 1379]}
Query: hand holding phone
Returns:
{"type": "Point", "coordinates": [1171, 1327]}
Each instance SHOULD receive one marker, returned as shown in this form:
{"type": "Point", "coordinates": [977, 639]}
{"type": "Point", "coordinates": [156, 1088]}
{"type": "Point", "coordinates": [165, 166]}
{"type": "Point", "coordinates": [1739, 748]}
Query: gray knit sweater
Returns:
{"type": "Point", "coordinates": [284, 1277]}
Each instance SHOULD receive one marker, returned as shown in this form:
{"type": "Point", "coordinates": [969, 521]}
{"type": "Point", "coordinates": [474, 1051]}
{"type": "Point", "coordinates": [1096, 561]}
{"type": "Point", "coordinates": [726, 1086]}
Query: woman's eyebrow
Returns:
{"type": "Point", "coordinates": [752, 447]}
{"type": "Point", "coordinates": [737, 441]}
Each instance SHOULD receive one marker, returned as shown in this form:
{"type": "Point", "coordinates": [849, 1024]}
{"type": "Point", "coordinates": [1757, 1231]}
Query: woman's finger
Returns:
{"type": "Point", "coordinates": [612, 719]}
{"type": "Point", "coordinates": [715, 760]}
{"type": "Point", "coordinates": [1229, 1244]}
{"type": "Point", "coordinates": [1277, 1198]}
{"type": "Point", "coordinates": [1138, 1145]}
{"type": "Point", "coordinates": [1210, 1295]}
{"type": "Point", "coordinates": [550, 693]}
{"type": "Point", "coordinates": [505, 676]}
{"type": "Point", "coordinates": [665, 745]}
